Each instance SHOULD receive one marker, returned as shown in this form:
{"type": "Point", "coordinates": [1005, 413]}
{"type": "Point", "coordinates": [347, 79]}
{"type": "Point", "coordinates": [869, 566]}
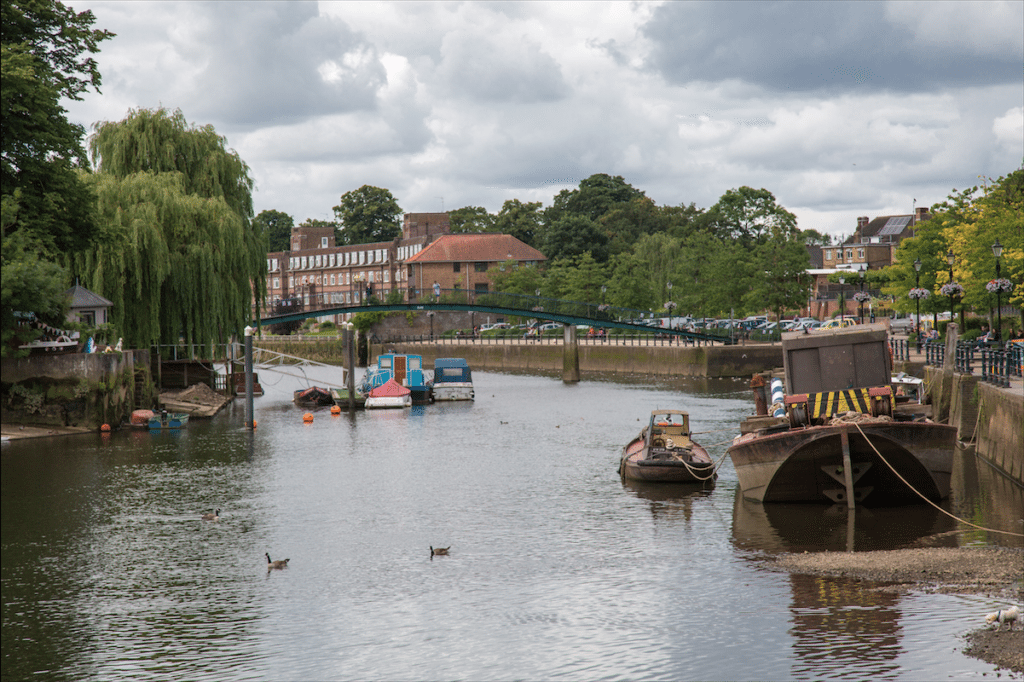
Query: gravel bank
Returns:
{"type": "Point", "coordinates": [993, 572]}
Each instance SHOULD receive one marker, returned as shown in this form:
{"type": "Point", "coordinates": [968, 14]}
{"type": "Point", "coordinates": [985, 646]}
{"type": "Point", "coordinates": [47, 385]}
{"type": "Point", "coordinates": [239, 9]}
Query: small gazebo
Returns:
{"type": "Point", "coordinates": [87, 307]}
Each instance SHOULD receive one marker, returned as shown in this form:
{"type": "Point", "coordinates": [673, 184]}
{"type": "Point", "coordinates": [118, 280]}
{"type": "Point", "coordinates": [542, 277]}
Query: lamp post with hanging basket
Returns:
{"type": "Point", "coordinates": [998, 286]}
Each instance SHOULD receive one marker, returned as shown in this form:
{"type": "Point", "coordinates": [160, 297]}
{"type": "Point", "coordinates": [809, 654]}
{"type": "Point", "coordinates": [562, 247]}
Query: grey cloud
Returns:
{"type": "Point", "coordinates": [483, 69]}
{"type": "Point", "coordinates": [823, 46]}
{"type": "Point", "coordinates": [274, 63]}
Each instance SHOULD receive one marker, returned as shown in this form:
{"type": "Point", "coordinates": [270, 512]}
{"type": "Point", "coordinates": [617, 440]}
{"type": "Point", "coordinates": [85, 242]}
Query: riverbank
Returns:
{"type": "Point", "coordinates": [991, 572]}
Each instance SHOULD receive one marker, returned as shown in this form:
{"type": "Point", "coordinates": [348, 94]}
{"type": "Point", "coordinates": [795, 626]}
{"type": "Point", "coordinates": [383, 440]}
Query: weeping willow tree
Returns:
{"type": "Point", "coordinates": [179, 257]}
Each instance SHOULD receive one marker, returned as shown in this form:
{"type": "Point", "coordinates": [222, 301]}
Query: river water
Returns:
{"type": "Point", "coordinates": [557, 569]}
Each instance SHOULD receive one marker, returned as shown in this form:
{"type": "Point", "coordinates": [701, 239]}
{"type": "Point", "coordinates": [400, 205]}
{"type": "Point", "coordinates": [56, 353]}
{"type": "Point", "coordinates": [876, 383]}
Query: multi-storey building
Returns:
{"type": "Point", "coordinates": [317, 272]}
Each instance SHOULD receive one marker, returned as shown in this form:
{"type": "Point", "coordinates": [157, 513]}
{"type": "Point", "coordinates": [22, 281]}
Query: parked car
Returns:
{"type": "Point", "coordinates": [901, 325]}
{"type": "Point", "coordinates": [838, 323]}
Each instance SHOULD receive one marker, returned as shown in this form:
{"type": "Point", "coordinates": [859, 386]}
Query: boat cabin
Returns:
{"type": "Point", "coordinates": [668, 425]}
{"type": "Point", "coordinates": [452, 370]}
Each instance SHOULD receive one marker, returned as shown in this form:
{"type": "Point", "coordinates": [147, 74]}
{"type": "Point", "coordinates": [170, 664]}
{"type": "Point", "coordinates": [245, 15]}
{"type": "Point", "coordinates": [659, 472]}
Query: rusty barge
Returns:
{"type": "Point", "coordinates": [838, 436]}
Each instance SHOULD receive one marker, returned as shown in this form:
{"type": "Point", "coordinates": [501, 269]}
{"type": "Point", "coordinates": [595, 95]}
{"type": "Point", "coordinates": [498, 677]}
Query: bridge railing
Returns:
{"type": "Point", "coordinates": [526, 305]}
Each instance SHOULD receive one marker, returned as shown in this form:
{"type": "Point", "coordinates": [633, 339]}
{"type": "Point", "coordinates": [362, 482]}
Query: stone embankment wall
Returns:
{"type": "Point", "coordinates": [990, 417]}
{"type": "Point", "coordinates": [74, 389]}
{"type": "Point", "coordinates": [676, 360]}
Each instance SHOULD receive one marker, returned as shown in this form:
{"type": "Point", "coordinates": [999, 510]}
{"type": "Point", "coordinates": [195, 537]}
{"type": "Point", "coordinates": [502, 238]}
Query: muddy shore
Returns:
{"type": "Point", "coordinates": [996, 573]}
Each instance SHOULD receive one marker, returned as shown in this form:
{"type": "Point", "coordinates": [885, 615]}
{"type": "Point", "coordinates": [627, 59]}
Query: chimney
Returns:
{"type": "Point", "coordinates": [862, 222]}
{"type": "Point", "coordinates": [922, 214]}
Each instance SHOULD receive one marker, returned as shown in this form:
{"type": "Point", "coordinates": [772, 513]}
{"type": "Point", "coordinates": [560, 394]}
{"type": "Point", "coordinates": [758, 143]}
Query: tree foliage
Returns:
{"type": "Point", "coordinates": [277, 227]}
{"type": "Point", "coordinates": [521, 220]}
{"type": "Point", "coordinates": [470, 220]}
{"type": "Point", "coordinates": [367, 215]}
{"type": "Point", "coordinates": [749, 215]}
{"type": "Point", "coordinates": [181, 259]}
{"type": "Point", "coordinates": [48, 211]}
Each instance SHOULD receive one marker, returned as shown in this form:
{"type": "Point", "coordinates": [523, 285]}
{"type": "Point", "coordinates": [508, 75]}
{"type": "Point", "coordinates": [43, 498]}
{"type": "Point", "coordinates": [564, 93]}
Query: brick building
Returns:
{"type": "Point", "coordinates": [461, 261]}
{"type": "Point", "coordinates": [315, 271]}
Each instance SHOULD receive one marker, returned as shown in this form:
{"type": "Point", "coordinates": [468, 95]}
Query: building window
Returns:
{"type": "Point", "coordinates": [332, 260]}
{"type": "Point", "coordinates": [291, 282]}
{"type": "Point", "coordinates": [456, 267]}
{"type": "Point", "coordinates": [479, 267]}
{"type": "Point", "coordinates": [860, 254]}
{"type": "Point", "coordinates": [277, 283]}
{"type": "Point", "coordinates": [387, 276]}
{"type": "Point", "coordinates": [849, 254]}
{"type": "Point", "coordinates": [828, 254]}
{"type": "Point", "coordinates": [323, 242]}
{"type": "Point", "coordinates": [332, 280]}
{"type": "Point", "coordinates": [480, 287]}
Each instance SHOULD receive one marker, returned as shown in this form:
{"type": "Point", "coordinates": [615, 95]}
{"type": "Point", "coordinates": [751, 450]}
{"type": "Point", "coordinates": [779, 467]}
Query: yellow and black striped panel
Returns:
{"type": "Point", "coordinates": [829, 403]}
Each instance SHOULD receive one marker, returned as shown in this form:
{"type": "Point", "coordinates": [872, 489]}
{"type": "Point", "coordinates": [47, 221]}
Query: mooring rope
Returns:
{"type": "Point", "coordinates": [918, 493]}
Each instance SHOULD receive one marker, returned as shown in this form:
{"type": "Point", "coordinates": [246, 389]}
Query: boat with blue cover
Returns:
{"type": "Point", "coordinates": [453, 379]}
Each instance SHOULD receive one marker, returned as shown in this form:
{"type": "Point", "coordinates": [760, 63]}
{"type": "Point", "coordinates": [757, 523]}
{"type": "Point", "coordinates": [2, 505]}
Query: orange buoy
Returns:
{"type": "Point", "coordinates": [105, 428]}
{"type": "Point", "coordinates": [308, 418]}
{"type": "Point", "coordinates": [335, 409]}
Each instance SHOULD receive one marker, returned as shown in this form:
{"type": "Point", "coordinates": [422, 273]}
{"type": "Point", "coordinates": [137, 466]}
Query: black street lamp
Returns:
{"type": "Point", "coordinates": [951, 259]}
{"type": "Point", "coordinates": [997, 251]}
{"type": "Point", "coordinates": [842, 301]}
{"type": "Point", "coordinates": [917, 285]}
{"type": "Point", "coordinates": [862, 297]}
{"type": "Point", "coordinates": [430, 314]}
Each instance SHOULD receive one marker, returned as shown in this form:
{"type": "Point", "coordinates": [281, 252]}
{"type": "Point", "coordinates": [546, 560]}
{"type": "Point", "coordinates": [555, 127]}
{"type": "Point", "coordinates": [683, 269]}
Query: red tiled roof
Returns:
{"type": "Point", "coordinates": [451, 248]}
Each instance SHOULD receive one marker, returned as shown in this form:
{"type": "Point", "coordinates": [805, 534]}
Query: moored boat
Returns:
{"type": "Point", "coordinates": [453, 379]}
{"type": "Point", "coordinates": [838, 438]}
{"type": "Point", "coordinates": [406, 370]}
{"type": "Point", "coordinates": [168, 420]}
{"type": "Point", "coordinates": [664, 451]}
{"type": "Point", "coordinates": [389, 395]}
{"type": "Point", "coordinates": [314, 396]}
{"type": "Point", "coordinates": [340, 396]}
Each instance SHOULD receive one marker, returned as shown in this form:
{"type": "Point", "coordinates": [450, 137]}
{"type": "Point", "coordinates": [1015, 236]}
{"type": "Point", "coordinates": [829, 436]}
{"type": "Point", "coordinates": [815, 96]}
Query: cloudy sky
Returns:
{"type": "Point", "coordinates": [839, 109]}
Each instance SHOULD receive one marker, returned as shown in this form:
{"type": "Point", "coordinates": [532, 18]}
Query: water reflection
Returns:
{"type": "Point", "coordinates": [843, 629]}
{"type": "Point", "coordinates": [775, 528]}
{"type": "Point", "coordinates": [670, 501]}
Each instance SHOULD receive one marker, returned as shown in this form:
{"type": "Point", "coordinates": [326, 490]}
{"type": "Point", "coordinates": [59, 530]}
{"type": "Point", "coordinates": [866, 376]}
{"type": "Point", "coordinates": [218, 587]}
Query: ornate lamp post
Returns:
{"type": "Point", "coordinates": [917, 298]}
{"type": "Point", "coordinates": [842, 300]}
{"type": "Point", "coordinates": [951, 259]}
{"type": "Point", "coordinates": [997, 251]}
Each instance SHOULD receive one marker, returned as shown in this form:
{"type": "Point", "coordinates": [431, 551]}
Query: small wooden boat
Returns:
{"type": "Point", "coordinates": [452, 379]}
{"type": "Point", "coordinates": [314, 396]}
{"type": "Point", "coordinates": [168, 420]}
{"type": "Point", "coordinates": [340, 396]}
{"type": "Point", "coordinates": [664, 451]}
{"type": "Point", "coordinates": [389, 395]}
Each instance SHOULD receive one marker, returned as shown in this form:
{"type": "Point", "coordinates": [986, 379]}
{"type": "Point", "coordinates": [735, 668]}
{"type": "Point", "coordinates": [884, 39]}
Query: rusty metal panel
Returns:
{"type": "Point", "coordinates": [817, 362]}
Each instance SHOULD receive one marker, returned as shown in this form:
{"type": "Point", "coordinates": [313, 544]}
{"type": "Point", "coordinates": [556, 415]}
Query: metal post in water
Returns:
{"type": "Point", "coordinates": [248, 379]}
{"type": "Point", "coordinates": [847, 467]}
{"type": "Point", "coordinates": [570, 356]}
{"type": "Point", "coordinates": [350, 358]}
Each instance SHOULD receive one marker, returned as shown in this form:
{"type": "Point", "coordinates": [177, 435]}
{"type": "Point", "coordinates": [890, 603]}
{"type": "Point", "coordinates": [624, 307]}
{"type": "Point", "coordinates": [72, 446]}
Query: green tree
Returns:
{"type": "Point", "coordinates": [779, 278]}
{"type": "Point", "coordinates": [522, 221]}
{"type": "Point", "coordinates": [748, 215]}
{"type": "Point", "coordinates": [573, 235]}
{"type": "Point", "coordinates": [512, 278]}
{"type": "Point", "coordinates": [368, 215]}
{"type": "Point", "coordinates": [48, 211]}
{"type": "Point", "coordinates": [471, 220]}
{"type": "Point", "coordinates": [630, 282]}
{"type": "Point", "coordinates": [180, 259]}
{"type": "Point", "coordinates": [46, 50]}
{"type": "Point", "coordinates": [277, 227]}
{"type": "Point", "coordinates": [595, 196]}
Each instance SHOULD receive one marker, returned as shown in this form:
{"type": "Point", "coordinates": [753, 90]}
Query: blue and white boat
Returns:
{"type": "Point", "coordinates": [406, 370]}
{"type": "Point", "coordinates": [453, 379]}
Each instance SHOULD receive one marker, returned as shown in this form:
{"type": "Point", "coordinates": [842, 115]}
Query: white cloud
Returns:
{"type": "Point", "coordinates": [839, 109]}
